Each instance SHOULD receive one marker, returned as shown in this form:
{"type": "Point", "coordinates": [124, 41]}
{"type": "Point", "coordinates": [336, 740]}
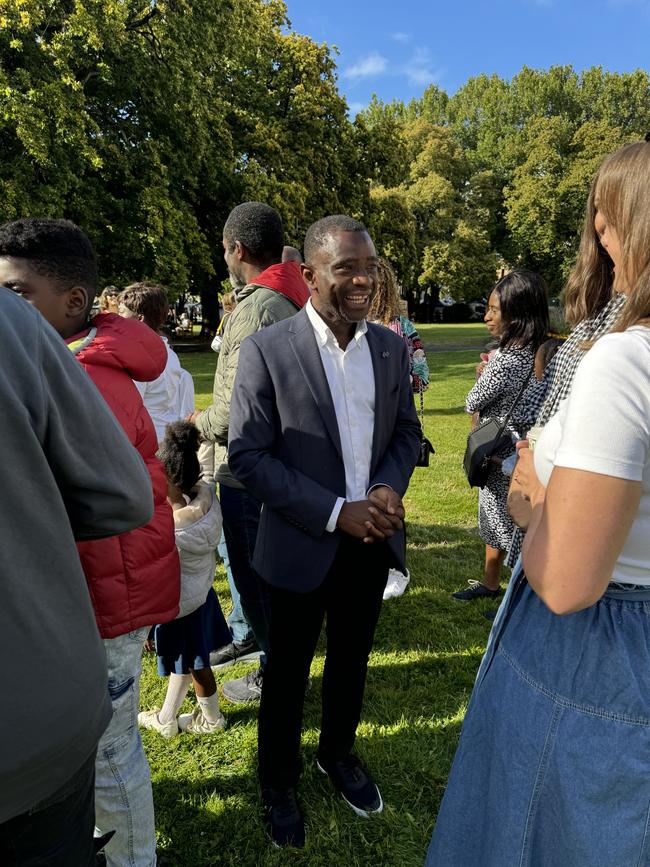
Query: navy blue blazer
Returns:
{"type": "Point", "coordinates": [284, 444]}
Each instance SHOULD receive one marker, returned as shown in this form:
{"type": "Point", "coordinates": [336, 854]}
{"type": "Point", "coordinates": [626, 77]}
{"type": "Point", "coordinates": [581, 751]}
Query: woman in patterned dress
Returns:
{"type": "Point", "coordinates": [517, 316]}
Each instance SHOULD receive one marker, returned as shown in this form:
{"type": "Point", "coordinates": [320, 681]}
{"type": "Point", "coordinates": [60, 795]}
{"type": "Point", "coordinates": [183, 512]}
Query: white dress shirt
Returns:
{"type": "Point", "coordinates": [351, 380]}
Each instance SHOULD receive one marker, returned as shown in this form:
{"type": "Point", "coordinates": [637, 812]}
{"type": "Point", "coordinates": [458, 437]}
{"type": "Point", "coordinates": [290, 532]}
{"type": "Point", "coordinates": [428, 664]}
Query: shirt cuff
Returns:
{"type": "Point", "coordinates": [336, 511]}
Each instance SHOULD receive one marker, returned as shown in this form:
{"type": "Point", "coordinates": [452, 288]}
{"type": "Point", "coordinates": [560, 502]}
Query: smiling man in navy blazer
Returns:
{"type": "Point", "coordinates": [323, 431]}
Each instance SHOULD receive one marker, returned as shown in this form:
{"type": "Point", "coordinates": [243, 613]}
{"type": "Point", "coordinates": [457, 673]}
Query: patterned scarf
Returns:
{"type": "Point", "coordinates": [544, 400]}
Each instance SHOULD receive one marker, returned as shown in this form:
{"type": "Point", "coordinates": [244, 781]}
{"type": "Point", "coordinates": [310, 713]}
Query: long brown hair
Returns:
{"type": "Point", "coordinates": [590, 284]}
{"type": "Point", "coordinates": [385, 304]}
{"type": "Point", "coordinates": [622, 190]}
{"type": "Point", "coordinates": [623, 197]}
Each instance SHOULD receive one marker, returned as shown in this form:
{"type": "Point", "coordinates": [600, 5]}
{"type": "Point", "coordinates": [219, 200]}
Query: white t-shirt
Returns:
{"type": "Point", "coordinates": [167, 398]}
{"type": "Point", "coordinates": [604, 427]}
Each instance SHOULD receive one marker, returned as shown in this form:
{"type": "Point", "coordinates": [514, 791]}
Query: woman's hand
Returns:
{"type": "Point", "coordinates": [526, 477]}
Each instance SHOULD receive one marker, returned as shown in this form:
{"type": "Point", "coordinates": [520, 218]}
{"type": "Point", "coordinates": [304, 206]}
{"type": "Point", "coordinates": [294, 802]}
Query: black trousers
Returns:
{"type": "Point", "coordinates": [58, 832]}
{"type": "Point", "coordinates": [349, 600]}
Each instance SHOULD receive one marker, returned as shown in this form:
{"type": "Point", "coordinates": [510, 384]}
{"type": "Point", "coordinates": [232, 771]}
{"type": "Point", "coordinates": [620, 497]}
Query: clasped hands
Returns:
{"type": "Point", "coordinates": [376, 518]}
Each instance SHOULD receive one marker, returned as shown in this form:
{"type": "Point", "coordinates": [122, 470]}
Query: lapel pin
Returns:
{"type": "Point", "coordinates": [385, 354]}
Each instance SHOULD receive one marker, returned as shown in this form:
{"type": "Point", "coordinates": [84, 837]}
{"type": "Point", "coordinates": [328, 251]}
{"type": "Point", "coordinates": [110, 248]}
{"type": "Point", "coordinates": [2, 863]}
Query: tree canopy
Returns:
{"type": "Point", "coordinates": [146, 122]}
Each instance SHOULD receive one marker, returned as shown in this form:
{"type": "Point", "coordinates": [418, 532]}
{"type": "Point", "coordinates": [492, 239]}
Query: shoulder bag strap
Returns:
{"type": "Point", "coordinates": [520, 393]}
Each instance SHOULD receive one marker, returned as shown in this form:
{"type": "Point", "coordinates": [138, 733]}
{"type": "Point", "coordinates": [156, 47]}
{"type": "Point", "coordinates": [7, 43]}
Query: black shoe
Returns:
{"type": "Point", "coordinates": [244, 690]}
{"type": "Point", "coordinates": [231, 653]}
{"type": "Point", "coordinates": [490, 615]}
{"type": "Point", "coordinates": [476, 590]}
{"type": "Point", "coordinates": [283, 817]}
{"type": "Point", "coordinates": [357, 787]}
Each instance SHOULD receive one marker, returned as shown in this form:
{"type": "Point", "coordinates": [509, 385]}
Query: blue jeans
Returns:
{"type": "Point", "coordinates": [239, 627]}
{"type": "Point", "coordinates": [241, 518]}
{"type": "Point", "coordinates": [57, 832]}
{"type": "Point", "coordinates": [123, 796]}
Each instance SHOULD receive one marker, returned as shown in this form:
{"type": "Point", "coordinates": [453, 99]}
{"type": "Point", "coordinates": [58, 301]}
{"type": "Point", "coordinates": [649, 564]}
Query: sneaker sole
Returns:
{"type": "Point", "coordinates": [363, 814]}
{"type": "Point", "coordinates": [255, 700]}
{"type": "Point", "coordinates": [245, 657]}
{"type": "Point", "coordinates": [162, 734]}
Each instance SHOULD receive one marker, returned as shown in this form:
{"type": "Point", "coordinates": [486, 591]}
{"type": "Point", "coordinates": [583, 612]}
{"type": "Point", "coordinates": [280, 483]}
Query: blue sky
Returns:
{"type": "Point", "coordinates": [396, 49]}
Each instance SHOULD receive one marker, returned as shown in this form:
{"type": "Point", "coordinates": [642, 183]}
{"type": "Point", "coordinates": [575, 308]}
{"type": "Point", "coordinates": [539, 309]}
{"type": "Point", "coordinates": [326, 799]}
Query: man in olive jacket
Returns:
{"type": "Point", "coordinates": [267, 291]}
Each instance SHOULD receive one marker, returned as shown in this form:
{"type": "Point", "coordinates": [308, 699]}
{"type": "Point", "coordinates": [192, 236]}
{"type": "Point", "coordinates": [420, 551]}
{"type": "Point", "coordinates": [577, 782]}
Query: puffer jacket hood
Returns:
{"type": "Point", "coordinates": [285, 278]}
{"type": "Point", "coordinates": [198, 530]}
{"type": "Point", "coordinates": [134, 578]}
{"type": "Point", "coordinates": [128, 344]}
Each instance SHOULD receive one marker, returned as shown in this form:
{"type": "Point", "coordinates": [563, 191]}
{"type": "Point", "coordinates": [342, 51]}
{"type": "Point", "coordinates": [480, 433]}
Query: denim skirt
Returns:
{"type": "Point", "coordinates": [553, 764]}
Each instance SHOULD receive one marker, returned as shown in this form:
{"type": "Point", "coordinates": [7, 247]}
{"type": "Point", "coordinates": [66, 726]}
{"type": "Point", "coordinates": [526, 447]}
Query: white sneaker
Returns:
{"type": "Point", "coordinates": [148, 719]}
{"type": "Point", "coordinates": [196, 724]}
{"type": "Point", "coordinates": [396, 584]}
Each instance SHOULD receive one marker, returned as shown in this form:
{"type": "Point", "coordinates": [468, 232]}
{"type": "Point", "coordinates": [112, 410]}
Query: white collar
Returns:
{"type": "Point", "coordinates": [324, 332]}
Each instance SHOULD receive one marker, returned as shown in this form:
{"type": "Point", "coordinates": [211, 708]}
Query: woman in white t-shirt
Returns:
{"type": "Point", "coordinates": [553, 767]}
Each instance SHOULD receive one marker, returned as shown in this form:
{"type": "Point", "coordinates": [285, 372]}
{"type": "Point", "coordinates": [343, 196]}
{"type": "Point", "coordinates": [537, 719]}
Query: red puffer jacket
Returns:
{"type": "Point", "coordinates": [134, 579]}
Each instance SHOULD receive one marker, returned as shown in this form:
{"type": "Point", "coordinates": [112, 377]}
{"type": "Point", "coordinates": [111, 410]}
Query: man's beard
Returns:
{"type": "Point", "coordinates": [236, 282]}
{"type": "Point", "coordinates": [337, 315]}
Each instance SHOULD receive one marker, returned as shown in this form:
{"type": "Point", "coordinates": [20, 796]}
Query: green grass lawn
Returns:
{"type": "Point", "coordinates": [461, 336]}
{"type": "Point", "coordinates": [426, 653]}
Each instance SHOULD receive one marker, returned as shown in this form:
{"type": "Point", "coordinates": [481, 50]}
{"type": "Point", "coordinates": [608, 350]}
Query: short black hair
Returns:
{"type": "Point", "coordinates": [319, 232]}
{"type": "Point", "coordinates": [259, 228]}
{"type": "Point", "coordinates": [54, 248]}
{"type": "Point", "coordinates": [523, 296]}
{"type": "Point", "coordinates": [178, 454]}
{"type": "Point", "coordinates": [149, 300]}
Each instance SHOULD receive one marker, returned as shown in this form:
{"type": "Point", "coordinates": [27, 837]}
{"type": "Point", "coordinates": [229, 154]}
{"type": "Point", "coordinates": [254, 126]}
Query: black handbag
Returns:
{"type": "Point", "coordinates": [426, 449]}
{"type": "Point", "coordinates": [484, 441]}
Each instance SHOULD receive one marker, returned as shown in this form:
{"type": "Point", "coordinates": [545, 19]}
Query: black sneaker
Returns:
{"type": "Point", "coordinates": [357, 787]}
{"type": "Point", "coordinates": [231, 653]}
{"type": "Point", "coordinates": [476, 590]}
{"type": "Point", "coordinates": [491, 614]}
{"type": "Point", "coordinates": [244, 690]}
{"type": "Point", "coordinates": [283, 818]}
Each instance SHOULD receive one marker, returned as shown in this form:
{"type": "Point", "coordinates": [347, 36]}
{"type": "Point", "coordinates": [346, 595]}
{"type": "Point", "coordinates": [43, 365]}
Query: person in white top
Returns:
{"type": "Point", "coordinates": [170, 397]}
{"type": "Point", "coordinates": [556, 743]}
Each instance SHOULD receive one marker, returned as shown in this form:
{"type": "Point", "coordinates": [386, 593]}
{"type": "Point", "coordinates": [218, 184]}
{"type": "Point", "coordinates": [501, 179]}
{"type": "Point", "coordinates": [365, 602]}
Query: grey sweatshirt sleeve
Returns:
{"type": "Point", "coordinates": [103, 480]}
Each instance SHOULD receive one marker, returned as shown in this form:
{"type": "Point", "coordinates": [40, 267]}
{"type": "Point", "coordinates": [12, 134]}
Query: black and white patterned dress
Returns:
{"type": "Point", "coordinates": [492, 396]}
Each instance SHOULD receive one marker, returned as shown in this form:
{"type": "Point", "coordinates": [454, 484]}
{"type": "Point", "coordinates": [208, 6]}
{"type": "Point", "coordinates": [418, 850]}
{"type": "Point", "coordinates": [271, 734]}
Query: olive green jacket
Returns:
{"type": "Point", "coordinates": [257, 308]}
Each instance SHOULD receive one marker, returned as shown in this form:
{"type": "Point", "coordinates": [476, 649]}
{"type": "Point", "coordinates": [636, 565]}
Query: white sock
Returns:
{"type": "Point", "coordinates": [210, 707]}
{"type": "Point", "coordinates": [176, 692]}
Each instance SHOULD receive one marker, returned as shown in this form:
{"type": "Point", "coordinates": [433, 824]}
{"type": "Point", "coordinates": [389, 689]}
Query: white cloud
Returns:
{"type": "Point", "coordinates": [419, 69]}
{"type": "Point", "coordinates": [373, 64]}
{"type": "Point", "coordinates": [400, 37]}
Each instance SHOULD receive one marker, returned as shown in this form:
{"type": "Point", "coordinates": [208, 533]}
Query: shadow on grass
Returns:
{"type": "Point", "coordinates": [421, 672]}
{"type": "Point", "coordinates": [216, 820]}
{"type": "Point", "coordinates": [446, 410]}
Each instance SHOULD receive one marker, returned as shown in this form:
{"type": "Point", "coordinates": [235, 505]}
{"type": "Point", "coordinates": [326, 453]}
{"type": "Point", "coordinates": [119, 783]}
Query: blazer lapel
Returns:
{"type": "Point", "coordinates": [307, 354]}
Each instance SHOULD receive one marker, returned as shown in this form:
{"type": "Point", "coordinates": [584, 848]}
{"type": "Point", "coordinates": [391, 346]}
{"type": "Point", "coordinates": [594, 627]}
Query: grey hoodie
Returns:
{"type": "Point", "coordinates": [68, 471]}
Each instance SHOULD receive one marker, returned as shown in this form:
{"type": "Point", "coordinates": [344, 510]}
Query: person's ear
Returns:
{"type": "Point", "coordinates": [309, 276]}
{"type": "Point", "coordinates": [77, 302]}
{"type": "Point", "coordinates": [240, 251]}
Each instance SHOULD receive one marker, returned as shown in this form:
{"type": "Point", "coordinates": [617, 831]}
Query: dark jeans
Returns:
{"type": "Point", "coordinates": [241, 518]}
{"type": "Point", "coordinates": [350, 600]}
{"type": "Point", "coordinates": [57, 832]}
